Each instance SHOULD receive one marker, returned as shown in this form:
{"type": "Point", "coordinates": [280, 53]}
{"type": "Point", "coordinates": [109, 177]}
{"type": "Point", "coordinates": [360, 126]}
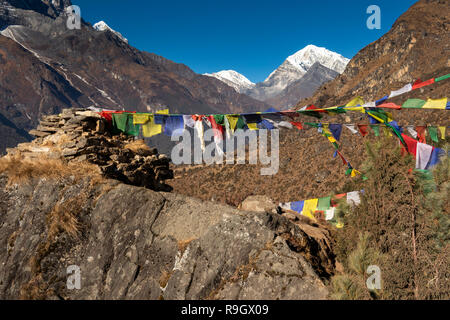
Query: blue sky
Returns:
{"type": "Point", "coordinates": [249, 36]}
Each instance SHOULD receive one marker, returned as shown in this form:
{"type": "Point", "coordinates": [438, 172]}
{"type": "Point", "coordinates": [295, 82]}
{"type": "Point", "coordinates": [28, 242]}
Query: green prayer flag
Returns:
{"type": "Point", "coordinates": [442, 78]}
{"type": "Point", "coordinates": [123, 122]}
{"type": "Point", "coordinates": [119, 121]}
{"type": "Point", "coordinates": [240, 123]}
{"type": "Point", "coordinates": [414, 103]}
{"type": "Point", "coordinates": [324, 204]}
{"type": "Point", "coordinates": [433, 131]}
{"type": "Point", "coordinates": [376, 129]}
{"type": "Point", "coordinates": [131, 129]}
{"type": "Point", "coordinates": [220, 119]}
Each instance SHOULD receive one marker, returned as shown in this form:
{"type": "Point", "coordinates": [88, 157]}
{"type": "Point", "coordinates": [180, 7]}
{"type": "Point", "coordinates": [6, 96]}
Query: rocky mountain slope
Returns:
{"type": "Point", "coordinates": [417, 46]}
{"type": "Point", "coordinates": [46, 67]}
{"type": "Point", "coordinates": [292, 70]}
{"type": "Point", "coordinates": [304, 87]}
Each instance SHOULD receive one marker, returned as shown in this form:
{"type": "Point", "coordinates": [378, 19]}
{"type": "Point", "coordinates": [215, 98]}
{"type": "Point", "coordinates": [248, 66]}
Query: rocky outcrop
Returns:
{"type": "Point", "coordinates": [78, 135]}
{"type": "Point", "coordinates": [133, 243]}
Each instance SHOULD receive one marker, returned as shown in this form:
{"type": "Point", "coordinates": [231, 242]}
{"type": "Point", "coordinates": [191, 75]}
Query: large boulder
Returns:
{"type": "Point", "coordinates": [258, 203]}
{"type": "Point", "coordinates": [133, 243]}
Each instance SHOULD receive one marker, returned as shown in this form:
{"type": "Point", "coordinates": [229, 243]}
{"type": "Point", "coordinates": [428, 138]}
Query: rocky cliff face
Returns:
{"type": "Point", "coordinates": [45, 67]}
{"type": "Point", "coordinates": [134, 243]}
{"type": "Point", "coordinates": [417, 46]}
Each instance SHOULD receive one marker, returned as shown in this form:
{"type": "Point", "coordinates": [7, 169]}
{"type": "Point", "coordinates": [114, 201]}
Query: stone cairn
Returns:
{"type": "Point", "coordinates": [78, 135]}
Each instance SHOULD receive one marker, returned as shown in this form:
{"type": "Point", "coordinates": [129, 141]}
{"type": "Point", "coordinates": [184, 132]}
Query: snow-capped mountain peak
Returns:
{"type": "Point", "coordinates": [306, 57]}
{"type": "Point", "coordinates": [292, 69]}
{"type": "Point", "coordinates": [234, 79]}
{"type": "Point", "coordinates": [102, 26]}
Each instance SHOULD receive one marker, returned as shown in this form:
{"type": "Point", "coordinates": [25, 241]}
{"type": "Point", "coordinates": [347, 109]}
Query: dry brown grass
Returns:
{"type": "Point", "coordinates": [20, 170]}
{"type": "Point", "coordinates": [137, 145]}
{"type": "Point", "coordinates": [64, 218]}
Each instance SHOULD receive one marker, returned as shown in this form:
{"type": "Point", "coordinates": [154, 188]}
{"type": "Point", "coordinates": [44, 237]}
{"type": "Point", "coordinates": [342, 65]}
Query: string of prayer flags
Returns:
{"type": "Point", "coordinates": [325, 206]}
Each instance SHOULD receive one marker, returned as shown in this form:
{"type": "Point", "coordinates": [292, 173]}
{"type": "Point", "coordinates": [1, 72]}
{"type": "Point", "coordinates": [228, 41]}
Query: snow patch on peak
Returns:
{"type": "Point", "coordinates": [234, 79]}
{"type": "Point", "coordinates": [102, 26]}
{"type": "Point", "coordinates": [306, 57]}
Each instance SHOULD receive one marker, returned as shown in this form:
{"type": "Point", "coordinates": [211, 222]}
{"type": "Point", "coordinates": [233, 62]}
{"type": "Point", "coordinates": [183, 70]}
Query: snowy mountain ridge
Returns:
{"type": "Point", "coordinates": [102, 26]}
{"type": "Point", "coordinates": [234, 79]}
{"type": "Point", "coordinates": [291, 70]}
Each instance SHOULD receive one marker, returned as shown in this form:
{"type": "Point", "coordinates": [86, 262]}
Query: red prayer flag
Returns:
{"type": "Point", "coordinates": [363, 129]}
{"type": "Point", "coordinates": [419, 83]}
{"type": "Point", "coordinates": [421, 134]}
{"type": "Point", "coordinates": [342, 157]}
{"type": "Point", "coordinates": [313, 107]}
{"type": "Point", "coordinates": [411, 144]}
{"type": "Point", "coordinates": [197, 118]}
{"type": "Point", "coordinates": [218, 129]}
{"type": "Point", "coordinates": [298, 125]}
{"type": "Point", "coordinates": [389, 105]}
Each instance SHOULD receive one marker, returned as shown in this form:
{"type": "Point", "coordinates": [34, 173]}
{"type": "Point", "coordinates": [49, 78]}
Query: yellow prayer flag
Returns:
{"type": "Point", "coordinates": [360, 109]}
{"type": "Point", "coordinates": [355, 172]}
{"type": "Point", "coordinates": [355, 102]}
{"type": "Point", "coordinates": [327, 131]}
{"type": "Point", "coordinates": [435, 104]}
{"type": "Point", "coordinates": [339, 225]}
{"type": "Point", "coordinates": [389, 116]}
{"type": "Point", "coordinates": [309, 208]}
{"type": "Point", "coordinates": [252, 126]}
{"type": "Point", "coordinates": [232, 120]}
{"type": "Point", "coordinates": [442, 130]}
{"type": "Point", "coordinates": [150, 129]}
{"type": "Point", "coordinates": [140, 118]}
{"type": "Point", "coordinates": [387, 132]}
